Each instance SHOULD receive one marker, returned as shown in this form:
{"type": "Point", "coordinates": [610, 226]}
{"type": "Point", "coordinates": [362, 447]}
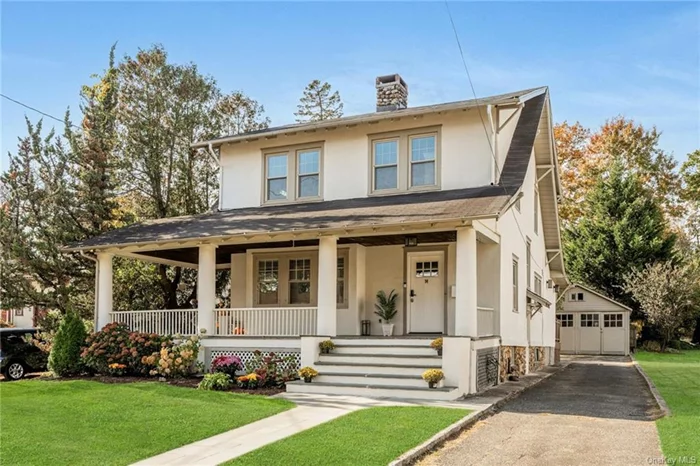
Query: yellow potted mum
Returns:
{"type": "Point", "coordinates": [308, 373]}
{"type": "Point", "coordinates": [433, 377]}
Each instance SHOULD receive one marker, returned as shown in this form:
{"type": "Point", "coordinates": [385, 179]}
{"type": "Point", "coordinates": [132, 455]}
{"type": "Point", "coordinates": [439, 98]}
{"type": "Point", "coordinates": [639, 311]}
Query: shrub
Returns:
{"type": "Point", "coordinates": [4, 324]}
{"type": "Point", "coordinates": [64, 359]}
{"type": "Point", "coordinates": [248, 381]}
{"type": "Point", "coordinates": [326, 346]}
{"type": "Point", "coordinates": [307, 373]}
{"type": "Point", "coordinates": [179, 359]}
{"type": "Point", "coordinates": [227, 365]}
{"type": "Point", "coordinates": [651, 345]}
{"type": "Point", "coordinates": [433, 375]}
{"type": "Point", "coordinates": [215, 381]}
{"type": "Point", "coordinates": [116, 369]}
{"type": "Point", "coordinates": [114, 344]}
{"type": "Point", "coordinates": [436, 344]}
{"type": "Point", "coordinates": [272, 370]}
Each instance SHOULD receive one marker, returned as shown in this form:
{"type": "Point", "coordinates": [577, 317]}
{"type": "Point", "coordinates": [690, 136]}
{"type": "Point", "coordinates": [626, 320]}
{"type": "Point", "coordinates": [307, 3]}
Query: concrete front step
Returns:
{"type": "Point", "coordinates": [374, 380]}
{"type": "Point", "coordinates": [385, 350]}
{"type": "Point", "coordinates": [410, 393]}
{"type": "Point", "coordinates": [394, 360]}
{"type": "Point", "coordinates": [384, 341]}
{"type": "Point", "coordinates": [371, 368]}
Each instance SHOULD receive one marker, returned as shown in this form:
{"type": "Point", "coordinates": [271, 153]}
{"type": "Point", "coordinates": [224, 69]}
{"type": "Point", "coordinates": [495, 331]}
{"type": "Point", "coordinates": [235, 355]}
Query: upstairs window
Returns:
{"type": "Point", "coordinates": [575, 297]}
{"type": "Point", "coordinates": [386, 165]}
{"type": "Point", "coordinates": [292, 173]}
{"type": "Point", "coordinates": [423, 161]}
{"type": "Point", "coordinates": [276, 177]}
{"type": "Point", "coordinates": [538, 284]}
{"type": "Point", "coordinates": [309, 172]}
{"type": "Point", "coordinates": [536, 218]}
{"type": "Point", "coordinates": [516, 307]}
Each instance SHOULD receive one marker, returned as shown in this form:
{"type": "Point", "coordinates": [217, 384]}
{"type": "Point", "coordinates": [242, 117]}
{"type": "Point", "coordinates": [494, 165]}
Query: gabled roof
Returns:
{"type": "Point", "coordinates": [599, 294]}
{"type": "Point", "coordinates": [501, 99]}
{"type": "Point", "coordinates": [404, 209]}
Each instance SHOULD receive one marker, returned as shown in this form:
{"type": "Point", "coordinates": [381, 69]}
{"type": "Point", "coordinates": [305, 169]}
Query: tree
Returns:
{"type": "Point", "coordinates": [622, 229]}
{"type": "Point", "coordinates": [64, 359]}
{"type": "Point", "coordinates": [584, 156]}
{"type": "Point", "coordinates": [163, 109]}
{"type": "Point", "coordinates": [319, 103]}
{"type": "Point", "coordinates": [667, 295]}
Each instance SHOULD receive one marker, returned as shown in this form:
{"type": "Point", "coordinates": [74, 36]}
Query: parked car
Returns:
{"type": "Point", "coordinates": [18, 356]}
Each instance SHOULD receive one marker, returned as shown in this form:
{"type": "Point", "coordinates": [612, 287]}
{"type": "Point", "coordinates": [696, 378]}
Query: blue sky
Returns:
{"type": "Point", "coordinates": [600, 59]}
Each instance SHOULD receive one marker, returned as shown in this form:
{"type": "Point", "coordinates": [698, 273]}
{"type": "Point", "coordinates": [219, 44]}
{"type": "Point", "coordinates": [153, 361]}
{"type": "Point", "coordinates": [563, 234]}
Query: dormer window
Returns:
{"type": "Point", "coordinates": [292, 174]}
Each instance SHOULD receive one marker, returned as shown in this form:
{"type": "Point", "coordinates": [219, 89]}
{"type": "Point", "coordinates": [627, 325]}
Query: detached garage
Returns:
{"type": "Point", "coordinates": [592, 323]}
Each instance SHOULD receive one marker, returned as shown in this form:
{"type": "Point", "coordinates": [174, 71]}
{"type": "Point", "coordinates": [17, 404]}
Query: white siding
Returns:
{"type": "Point", "coordinates": [591, 302]}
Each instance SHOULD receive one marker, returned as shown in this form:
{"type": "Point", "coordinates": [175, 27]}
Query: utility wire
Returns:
{"type": "Point", "coordinates": [483, 124]}
{"type": "Point", "coordinates": [37, 110]}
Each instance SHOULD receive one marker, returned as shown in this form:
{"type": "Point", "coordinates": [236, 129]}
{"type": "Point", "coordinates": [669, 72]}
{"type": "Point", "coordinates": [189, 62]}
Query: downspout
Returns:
{"type": "Point", "coordinates": [210, 150]}
{"type": "Point", "coordinates": [97, 288]}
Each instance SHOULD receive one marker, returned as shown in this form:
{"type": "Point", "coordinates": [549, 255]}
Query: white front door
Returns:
{"type": "Point", "coordinates": [589, 341]}
{"type": "Point", "coordinates": [426, 292]}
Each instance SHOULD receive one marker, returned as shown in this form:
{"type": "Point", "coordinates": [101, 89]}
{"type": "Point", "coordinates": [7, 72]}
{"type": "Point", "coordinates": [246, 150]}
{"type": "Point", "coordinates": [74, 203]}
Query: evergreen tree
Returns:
{"type": "Point", "coordinates": [319, 103]}
{"type": "Point", "coordinates": [622, 230]}
{"type": "Point", "coordinates": [64, 359]}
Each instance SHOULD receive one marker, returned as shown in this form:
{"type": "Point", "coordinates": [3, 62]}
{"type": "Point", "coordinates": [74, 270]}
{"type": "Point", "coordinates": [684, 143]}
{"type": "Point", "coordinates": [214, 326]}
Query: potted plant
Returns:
{"type": "Point", "coordinates": [326, 346]}
{"type": "Point", "coordinates": [436, 344]}
{"type": "Point", "coordinates": [386, 310]}
{"type": "Point", "coordinates": [433, 377]}
{"type": "Point", "coordinates": [308, 373]}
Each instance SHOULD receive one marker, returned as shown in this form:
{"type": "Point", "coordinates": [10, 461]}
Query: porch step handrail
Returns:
{"type": "Point", "coordinates": [160, 321]}
{"type": "Point", "coordinates": [265, 321]}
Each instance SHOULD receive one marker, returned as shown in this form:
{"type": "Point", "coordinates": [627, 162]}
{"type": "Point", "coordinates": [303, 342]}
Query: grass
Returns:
{"type": "Point", "coordinates": [677, 376]}
{"type": "Point", "coordinates": [373, 436]}
{"type": "Point", "coordinates": [85, 423]}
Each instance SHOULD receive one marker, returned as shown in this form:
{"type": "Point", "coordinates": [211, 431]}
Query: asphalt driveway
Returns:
{"type": "Point", "coordinates": [594, 411]}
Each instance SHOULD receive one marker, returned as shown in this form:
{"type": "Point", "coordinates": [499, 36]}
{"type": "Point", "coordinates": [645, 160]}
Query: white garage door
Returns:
{"type": "Point", "coordinates": [589, 333]}
{"type": "Point", "coordinates": [614, 334]}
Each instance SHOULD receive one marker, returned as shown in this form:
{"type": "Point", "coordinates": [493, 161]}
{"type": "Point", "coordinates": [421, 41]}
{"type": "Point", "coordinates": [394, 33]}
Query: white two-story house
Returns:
{"type": "Point", "coordinates": [453, 206]}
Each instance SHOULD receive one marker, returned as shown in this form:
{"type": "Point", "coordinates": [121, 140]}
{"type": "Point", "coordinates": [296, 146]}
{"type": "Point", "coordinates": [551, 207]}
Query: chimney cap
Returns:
{"type": "Point", "coordinates": [391, 79]}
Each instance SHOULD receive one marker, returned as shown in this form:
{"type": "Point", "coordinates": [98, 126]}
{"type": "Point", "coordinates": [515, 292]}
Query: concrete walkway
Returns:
{"type": "Point", "coordinates": [594, 411]}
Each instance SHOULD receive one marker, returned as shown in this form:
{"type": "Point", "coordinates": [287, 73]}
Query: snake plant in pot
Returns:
{"type": "Point", "coordinates": [386, 310]}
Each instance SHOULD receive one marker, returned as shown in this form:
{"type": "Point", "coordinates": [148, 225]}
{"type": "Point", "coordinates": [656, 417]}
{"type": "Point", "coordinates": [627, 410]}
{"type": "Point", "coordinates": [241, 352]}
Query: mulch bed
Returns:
{"type": "Point", "coordinates": [189, 382]}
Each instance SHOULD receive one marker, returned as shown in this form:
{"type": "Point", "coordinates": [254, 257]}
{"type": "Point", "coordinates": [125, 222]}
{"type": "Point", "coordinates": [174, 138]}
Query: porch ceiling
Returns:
{"type": "Point", "coordinates": [189, 255]}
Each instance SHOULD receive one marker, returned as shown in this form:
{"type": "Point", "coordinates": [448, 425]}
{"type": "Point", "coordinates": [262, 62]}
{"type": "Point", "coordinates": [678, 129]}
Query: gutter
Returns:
{"type": "Point", "coordinates": [97, 281]}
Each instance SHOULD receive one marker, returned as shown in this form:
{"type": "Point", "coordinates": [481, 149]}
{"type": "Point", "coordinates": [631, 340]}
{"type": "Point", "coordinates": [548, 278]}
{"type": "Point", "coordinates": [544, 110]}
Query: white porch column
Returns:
{"type": "Point", "coordinates": [206, 288]}
{"type": "Point", "coordinates": [104, 289]}
{"type": "Point", "coordinates": [465, 280]}
{"type": "Point", "coordinates": [327, 282]}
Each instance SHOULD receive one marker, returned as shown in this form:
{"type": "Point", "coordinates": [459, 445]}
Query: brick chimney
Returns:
{"type": "Point", "coordinates": [392, 93]}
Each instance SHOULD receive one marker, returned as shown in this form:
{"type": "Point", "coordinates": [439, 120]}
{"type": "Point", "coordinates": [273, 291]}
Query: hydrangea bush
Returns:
{"type": "Point", "coordinates": [227, 364]}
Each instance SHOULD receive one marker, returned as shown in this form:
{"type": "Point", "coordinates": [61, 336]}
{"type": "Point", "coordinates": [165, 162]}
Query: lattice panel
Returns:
{"type": "Point", "coordinates": [248, 355]}
{"type": "Point", "coordinates": [487, 367]}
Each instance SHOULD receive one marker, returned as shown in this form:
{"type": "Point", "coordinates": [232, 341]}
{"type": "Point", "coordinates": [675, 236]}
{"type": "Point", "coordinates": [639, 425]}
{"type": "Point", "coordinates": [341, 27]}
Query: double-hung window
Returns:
{"type": "Point", "coordinates": [538, 284]}
{"type": "Point", "coordinates": [276, 172]}
{"type": "Point", "coordinates": [386, 164]}
{"type": "Point", "coordinates": [300, 281]}
{"type": "Point", "coordinates": [536, 219]}
{"type": "Point", "coordinates": [308, 172]}
{"type": "Point", "coordinates": [516, 307]}
{"type": "Point", "coordinates": [423, 160]}
{"type": "Point", "coordinates": [405, 160]}
{"type": "Point", "coordinates": [268, 282]}
{"type": "Point", "coordinates": [340, 289]}
{"type": "Point", "coordinates": [293, 173]}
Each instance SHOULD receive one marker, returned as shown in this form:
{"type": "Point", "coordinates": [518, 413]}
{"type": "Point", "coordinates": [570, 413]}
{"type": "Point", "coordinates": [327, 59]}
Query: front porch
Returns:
{"type": "Point", "coordinates": [448, 283]}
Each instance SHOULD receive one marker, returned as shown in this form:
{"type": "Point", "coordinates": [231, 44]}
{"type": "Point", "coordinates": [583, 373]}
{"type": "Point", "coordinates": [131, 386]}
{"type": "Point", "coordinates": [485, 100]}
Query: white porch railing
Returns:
{"type": "Point", "coordinates": [485, 321]}
{"type": "Point", "coordinates": [162, 322]}
{"type": "Point", "coordinates": [266, 322]}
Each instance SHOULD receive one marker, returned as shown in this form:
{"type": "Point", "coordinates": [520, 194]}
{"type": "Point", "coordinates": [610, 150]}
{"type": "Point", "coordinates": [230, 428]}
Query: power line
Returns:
{"type": "Point", "coordinates": [37, 110]}
{"type": "Point", "coordinates": [483, 124]}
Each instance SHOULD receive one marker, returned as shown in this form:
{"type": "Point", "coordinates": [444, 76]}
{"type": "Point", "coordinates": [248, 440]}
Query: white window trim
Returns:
{"type": "Point", "coordinates": [292, 153]}
{"type": "Point", "coordinates": [404, 164]}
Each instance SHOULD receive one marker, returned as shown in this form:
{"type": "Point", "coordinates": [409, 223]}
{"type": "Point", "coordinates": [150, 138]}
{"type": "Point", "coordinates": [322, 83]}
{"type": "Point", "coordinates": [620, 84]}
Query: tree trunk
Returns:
{"type": "Point", "coordinates": [696, 333]}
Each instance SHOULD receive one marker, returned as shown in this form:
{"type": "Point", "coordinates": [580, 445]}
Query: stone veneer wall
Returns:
{"type": "Point", "coordinates": [392, 93]}
{"type": "Point", "coordinates": [515, 356]}
{"type": "Point", "coordinates": [537, 358]}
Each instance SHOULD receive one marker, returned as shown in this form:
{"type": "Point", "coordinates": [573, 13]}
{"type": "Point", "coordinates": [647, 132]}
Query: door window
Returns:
{"type": "Point", "coordinates": [612, 320]}
{"type": "Point", "coordinates": [427, 269]}
{"type": "Point", "coordinates": [590, 320]}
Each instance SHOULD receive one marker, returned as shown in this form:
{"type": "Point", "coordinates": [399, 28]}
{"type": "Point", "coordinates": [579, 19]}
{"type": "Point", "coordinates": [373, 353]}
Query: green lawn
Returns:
{"type": "Point", "coordinates": [677, 376]}
{"type": "Point", "coordinates": [81, 422]}
{"type": "Point", "coordinates": [373, 436]}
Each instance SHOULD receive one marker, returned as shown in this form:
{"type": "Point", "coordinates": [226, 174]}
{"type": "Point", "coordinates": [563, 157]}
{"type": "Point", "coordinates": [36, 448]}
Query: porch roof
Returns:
{"type": "Point", "coordinates": [367, 212]}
